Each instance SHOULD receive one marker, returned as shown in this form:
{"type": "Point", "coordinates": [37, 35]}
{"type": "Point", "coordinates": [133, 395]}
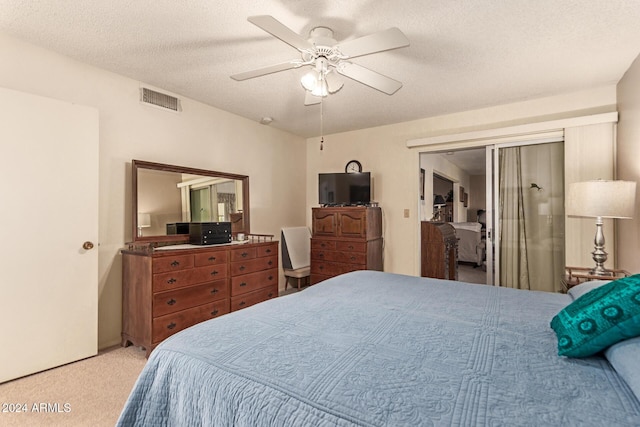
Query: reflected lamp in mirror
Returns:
{"type": "Point", "coordinates": [144, 221]}
{"type": "Point", "coordinates": [601, 199]}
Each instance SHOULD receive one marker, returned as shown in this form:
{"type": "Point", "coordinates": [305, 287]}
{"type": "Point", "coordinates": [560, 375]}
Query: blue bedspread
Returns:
{"type": "Point", "coordinates": [378, 349]}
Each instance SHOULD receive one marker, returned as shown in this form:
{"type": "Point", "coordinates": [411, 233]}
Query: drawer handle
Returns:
{"type": "Point", "coordinates": [171, 301]}
{"type": "Point", "coordinates": [242, 303]}
{"type": "Point", "coordinates": [322, 267]}
{"type": "Point", "coordinates": [171, 325]}
{"type": "Point", "coordinates": [322, 245]}
{"type": "Point", "coordinates": [270, 263]}
{"type": "Point", "coordinates": [270, 277]}
{"type": "Point", "coordinates": [211, 258]}
{"type": "Point", "coordinates": [175, 263]}
{"type": "Point", "coordinates": [268, 251]}
{"type": "Point", "coordinates": [214, 291]}
{"type": "Point", "coordinates": [321, 255]}
{"type": "Point", "coordinates": [214, 272]}
{"type": "Point", "coordinates": [350, 247]}
{"type": "Point", "coordinates": [243, 284]}
{"type": "Point", "coordinates": [353, 258]}
{"type": "Point", "coordinates": [172, 280]}
{"type": "Point", "coordinates": [214, 312]}
{"type": "Point", "coordinates": [270, 294]}
{"type": "Point", "coordinates": [242, 267]}
{"type": "Point", "coordinates": [244, 254]}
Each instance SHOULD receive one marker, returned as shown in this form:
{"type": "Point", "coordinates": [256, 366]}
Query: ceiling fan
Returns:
{"type": "Point", "coordinates": [328, 57]}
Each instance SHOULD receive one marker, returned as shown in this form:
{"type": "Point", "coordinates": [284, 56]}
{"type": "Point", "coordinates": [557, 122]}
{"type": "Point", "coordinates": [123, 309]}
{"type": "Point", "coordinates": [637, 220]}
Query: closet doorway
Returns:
{"type": "Point", "coordinates": [516, 192]}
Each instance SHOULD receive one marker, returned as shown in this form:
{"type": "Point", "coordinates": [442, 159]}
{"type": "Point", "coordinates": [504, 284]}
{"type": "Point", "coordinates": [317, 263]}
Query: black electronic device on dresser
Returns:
{"type": "Point", "coordinates": [178, 228]}
{"type": "Point", "coordinates": [209, 233]}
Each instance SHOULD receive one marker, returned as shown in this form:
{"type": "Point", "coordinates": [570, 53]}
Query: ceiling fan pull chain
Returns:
{"type": "Point", "coordinates": [321, 125]}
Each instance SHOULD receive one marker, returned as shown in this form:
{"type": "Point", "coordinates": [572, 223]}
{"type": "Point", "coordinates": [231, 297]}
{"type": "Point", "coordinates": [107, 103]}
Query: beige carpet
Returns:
{"type": "Point", "coordinates": [90, 392]}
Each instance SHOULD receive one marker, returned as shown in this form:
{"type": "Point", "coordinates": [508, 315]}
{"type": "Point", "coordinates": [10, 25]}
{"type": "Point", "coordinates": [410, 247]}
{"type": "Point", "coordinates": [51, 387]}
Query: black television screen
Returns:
{"type": "Point", "coordinates": [344, 188]}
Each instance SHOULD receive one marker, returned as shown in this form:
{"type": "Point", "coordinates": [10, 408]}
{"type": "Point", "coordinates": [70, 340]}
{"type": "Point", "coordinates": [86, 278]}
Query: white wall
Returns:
{"type": "Point", "coordinates": [395, 168]}
{"type": "Point", "coordinates": [628, 156]}
{"type": "Point", "coordinates": [200, 137]}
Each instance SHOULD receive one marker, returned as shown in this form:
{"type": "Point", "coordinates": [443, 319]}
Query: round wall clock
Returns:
{"type": "Point", "coordinates": [353, 166]}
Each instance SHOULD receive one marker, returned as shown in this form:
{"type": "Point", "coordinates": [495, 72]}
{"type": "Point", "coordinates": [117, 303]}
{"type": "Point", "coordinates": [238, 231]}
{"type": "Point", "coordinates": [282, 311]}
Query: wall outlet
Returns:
{"type": "Point", "coordinates": [406, 213]}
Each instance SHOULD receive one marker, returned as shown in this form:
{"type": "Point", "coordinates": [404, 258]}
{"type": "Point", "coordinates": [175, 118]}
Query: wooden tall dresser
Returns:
{"type": "Point", "coordinates": [166, 290]}
{"type": "Point", "coordinates": [345, 239]}
{"type": "Point", "coordinates": [439, 250]}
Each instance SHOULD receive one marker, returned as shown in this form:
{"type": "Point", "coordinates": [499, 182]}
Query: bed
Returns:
{"type": "Point", "coordinates": [378, 349]}
{"type": "Point", "coordinates": [471, 246]}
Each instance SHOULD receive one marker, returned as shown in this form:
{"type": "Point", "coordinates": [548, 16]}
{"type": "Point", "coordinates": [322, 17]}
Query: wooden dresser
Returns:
{"type": "Point", "coordinates": [167, 290]}
{"type": "Point", "coordinates": [439, 250]}
{"type": "Point", "coordinates": [345, 239]}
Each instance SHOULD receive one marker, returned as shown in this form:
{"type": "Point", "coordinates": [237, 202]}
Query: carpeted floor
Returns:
{"type": "Point", "coordinates": [471, 274]}
{"type": "Point", "coordinates": [90, 392]}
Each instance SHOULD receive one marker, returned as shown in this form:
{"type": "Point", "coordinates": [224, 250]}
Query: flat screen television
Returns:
{"type": "Point", "coordinates": [344, 188]}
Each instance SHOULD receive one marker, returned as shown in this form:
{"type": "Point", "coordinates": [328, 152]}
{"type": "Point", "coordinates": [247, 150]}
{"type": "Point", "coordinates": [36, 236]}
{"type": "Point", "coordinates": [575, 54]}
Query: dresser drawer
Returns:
{"type": "Point", "coordinates": [329, 245]}
{"type": "Point", "coordinates": [172, 263]}
{"type": "Point", "coordinates": [334, 268]}
{"type": "Point", "coordinates": [243, 253]}
{"type": "Point", "coordinates": [267, 250]}
{"type": "Point", "coordinates": [317, 278]}
{"type": "Point", "coordinates": [251, 282]}
{"type": "Point", "coordinates": [179, 279]}
{"type": "Point", "coordinates": [251, 298]}
{"type": "Point", "coordinates": [210, 258]}
{"type": "Point", "coordinates": [351, 246]}
{"type": "Point", "coordinates": [253, 265]}
{"type": "Point", "coordinates": [344, 257]}
{"type": "Point", "coordinates": [184, 298]}
{"type": "Point", "coordinates": [165, 326]}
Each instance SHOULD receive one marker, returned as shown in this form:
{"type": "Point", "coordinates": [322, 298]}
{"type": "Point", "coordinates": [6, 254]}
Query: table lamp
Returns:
{"type": "Point", "coordinates": [144, 221]}
{"type": "Point", "coordinates": [601, 199]}
{"type": "Point", "coordinates": [438, 203]}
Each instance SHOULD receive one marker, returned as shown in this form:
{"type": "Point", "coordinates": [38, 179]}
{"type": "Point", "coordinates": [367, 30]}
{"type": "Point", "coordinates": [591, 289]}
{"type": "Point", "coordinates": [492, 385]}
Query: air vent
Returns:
{"type": "Point", "coordinates": [158, 99]}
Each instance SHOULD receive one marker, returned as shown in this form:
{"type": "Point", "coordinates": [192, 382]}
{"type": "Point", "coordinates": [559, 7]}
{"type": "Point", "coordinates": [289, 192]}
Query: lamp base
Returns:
{"type": "Point", "coordinates": [599, 254]}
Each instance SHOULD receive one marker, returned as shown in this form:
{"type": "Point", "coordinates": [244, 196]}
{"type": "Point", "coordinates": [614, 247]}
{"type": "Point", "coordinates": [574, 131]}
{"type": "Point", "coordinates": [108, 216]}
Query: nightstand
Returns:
{"type": "Point", "coordinates": [573, 276]}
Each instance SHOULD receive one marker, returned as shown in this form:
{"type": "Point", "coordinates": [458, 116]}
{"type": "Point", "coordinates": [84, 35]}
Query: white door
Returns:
{"type": "Point", "coordinates": [48, 210]}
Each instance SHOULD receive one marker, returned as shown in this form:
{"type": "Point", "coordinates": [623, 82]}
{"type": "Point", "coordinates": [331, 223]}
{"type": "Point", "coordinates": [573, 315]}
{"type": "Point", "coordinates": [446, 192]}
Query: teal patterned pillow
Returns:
{"type": "Point", "coordinates": [599, 318]}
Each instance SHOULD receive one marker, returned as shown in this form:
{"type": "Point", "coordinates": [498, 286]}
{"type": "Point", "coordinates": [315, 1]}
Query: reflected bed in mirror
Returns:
{"type": "Point", "coordinates": [167, 197]}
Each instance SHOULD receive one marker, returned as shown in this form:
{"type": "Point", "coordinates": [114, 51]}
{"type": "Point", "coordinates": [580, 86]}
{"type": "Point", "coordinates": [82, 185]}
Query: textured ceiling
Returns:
{"type": "Point", "coordinates": [463, 54]}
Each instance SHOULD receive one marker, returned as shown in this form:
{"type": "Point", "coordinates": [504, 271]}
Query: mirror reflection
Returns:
{"type": "Point", "coordinates": [167, 198]}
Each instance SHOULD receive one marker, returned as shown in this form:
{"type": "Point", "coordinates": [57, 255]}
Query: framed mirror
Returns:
{"type": "Point", "coordinates": [167, 197]}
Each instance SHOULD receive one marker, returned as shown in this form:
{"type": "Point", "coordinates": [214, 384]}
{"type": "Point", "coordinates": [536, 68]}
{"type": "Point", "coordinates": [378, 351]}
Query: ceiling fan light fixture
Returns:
{"type": "Point", "coordinates": [320, 89]}
{"type": "Point", "coordinates": [310, 80]}
{"type": "Point", "coordinates": [334, 83]}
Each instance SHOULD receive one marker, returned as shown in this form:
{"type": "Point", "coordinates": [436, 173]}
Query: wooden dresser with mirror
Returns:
{"type": "Point", "coordinates": [169, 284]}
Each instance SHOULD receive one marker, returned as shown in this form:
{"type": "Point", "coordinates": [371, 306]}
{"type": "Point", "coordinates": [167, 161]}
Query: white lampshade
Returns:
{"type": "Point", "coordinates": [601, 198]}
{"type": "Point", "coordinates": [144, 220]}
{"type": "Point", "coordinates": [310, 80]}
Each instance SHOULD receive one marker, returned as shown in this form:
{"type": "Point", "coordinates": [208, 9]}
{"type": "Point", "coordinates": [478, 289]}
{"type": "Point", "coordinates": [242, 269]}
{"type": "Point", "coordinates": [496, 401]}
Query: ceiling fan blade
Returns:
{"type": "Point", "coordinates": [277, 29]}
{"type": "Point", "coordinates": [389, 39]}
{"type": "Point", "coordinates": [310, 99]}
{"type": "Point", "coordinates": [265, 70]}
{"type": "Point", "coordinates": [368, 77]}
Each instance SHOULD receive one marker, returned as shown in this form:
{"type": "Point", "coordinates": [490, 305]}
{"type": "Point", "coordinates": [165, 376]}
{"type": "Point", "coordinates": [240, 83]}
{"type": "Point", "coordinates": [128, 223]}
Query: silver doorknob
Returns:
{"type": "Point", "coordinates": [87, 245]}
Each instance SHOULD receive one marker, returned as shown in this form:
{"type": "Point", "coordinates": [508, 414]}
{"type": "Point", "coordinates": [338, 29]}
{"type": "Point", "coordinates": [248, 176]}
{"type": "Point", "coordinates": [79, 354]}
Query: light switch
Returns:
{"type": "Point", "coordinates": [406, 213]}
